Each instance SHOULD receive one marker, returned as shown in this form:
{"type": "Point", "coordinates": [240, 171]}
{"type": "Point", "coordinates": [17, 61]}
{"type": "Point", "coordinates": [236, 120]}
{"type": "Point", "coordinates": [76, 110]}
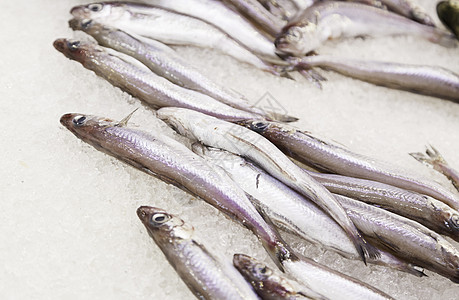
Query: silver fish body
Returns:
{"type": "Point", "coordinates": [333, 20]}
{"type": "Point", "coordinates": [237, 139]}
{"type": "Point", "coordinates": [426, 80]}
{"type": "Point", "coordinates": [174, 163]}
{"type": "Point", "coordinates": [227, 20]}
{"type": "Point", "coordinates": [292, 212]}
{"type": "Point", "coordinates": [434, 159]}
{"type": "Point", "coordinates": [163, 61]}
{"type": "Point", "coordinates": [406, 238]}
{"type": "Point", "coordinates": [141, 82]}
{"type": "Point", "coordinates": [167, 27]}
{"type": "Point", "coordinates": [426, 210]}
{"type": "Point", "coordinates": [329, 156]}
{"type": "Point", "coordinates": [206, 275]}
{"type": "Point", "coordinates": [271, 284]}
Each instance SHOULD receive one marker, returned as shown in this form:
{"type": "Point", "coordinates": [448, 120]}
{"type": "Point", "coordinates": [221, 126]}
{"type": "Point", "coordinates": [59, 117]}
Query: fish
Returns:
{"type": "Point", "coordinates": [183, 18]}
{"type": "Point", "coordinates": [167, 27]}
{"type": "Point", "coordinates": [206, 275]}
{"type": "Point", "coordinates": [448, 13]}
{"type": "Point", "coordinates": [269, 283]}
{"type": "Point", "coordinates": [327, 20]}
{"type": "Point", "coordinates": [174, 163]}
{"type": "Point", "coordinates": [421, 79]}
{"type": "Point", "coordinates": [405, 238]}
{"type": "Point", "coordinates": [140, 82]}
{"type": "Point", "coordinates": [166, 63]}
{"type": "Point", "coordinates": [410, 9]}
{"type": "Point", "coordinates": [434, 159]}
{"type": "Point", "coordinates": [328, 156]}
{"type": "Point", "coordinates": [423, 209]}
{"type": "Point", "coordinates": [291, 212]}
{"type": "Point", "coordinates": [259, 16]}
{"type": "Point", "coordinates": [239, 140]}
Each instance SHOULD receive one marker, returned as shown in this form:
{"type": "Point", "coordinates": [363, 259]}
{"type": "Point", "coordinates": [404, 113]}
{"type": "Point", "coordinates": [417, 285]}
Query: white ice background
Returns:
{"type": "Point", "coordinates": [68, 226]}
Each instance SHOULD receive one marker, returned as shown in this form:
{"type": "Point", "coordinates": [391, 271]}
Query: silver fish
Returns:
{"type": "Point", "coordinates": [141, 82]}
{"type": "Point", "coordinates": [409, 9]}
{"type": "Point", "coordinates": [163, 61]}
{"type": "Point", "coordinates": [434, 159]}
{"type": "Point", "coordinates": [271, 284]}
{"type": "Point", "coordinates": [167, 27]}
{"type": "Point", "coordinates": [237, 139]}
{"type": "Point", "coordinates": [292, 212]}
{"type": "Point", "coordinates": [332, 20]}
{"type": "Point", "coordinates": [206, 275]}
{"type": "Point", "coordinates": [329, 156]}
{"type": "Point", "coordinates": [426, 210]}
{"type": "Point", "coordinates": [254, 11]}
{"type": "Point", "coordinates": [426, 80]}
{"type": "Point", "coordinates": [174, 163]}
{"type": "Point", "coordinates": [227, 20]}
{"type": "Point", "coordinates": [406, 238]}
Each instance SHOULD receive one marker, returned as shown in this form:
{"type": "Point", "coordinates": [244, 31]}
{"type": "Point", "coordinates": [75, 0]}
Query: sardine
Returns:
{"type": "Point", "coordinates": [163, 61]}
{"type": "Point", "coordinates": [434, 159]}
{"type": "Point", "coordinates": [271, 284]}
{"type": "Point", "coordinates": [206, 275]}
{"type": "Point", "coordinates": [406, 238]}
{"type": "Point", "coordinates": [448, 13]}
{"type": "Point", "coordinates": [332, 20]}
{"type": "Point", "coordinates": [141, 82]}
{"type": "Point", "coordinates": [172, 162]}
{"type": "Point", "coordinates": [167, 27]}
{"type": "Point", "coordinates": [292, 212]}
{"type": "Point", "coordinates": [255, 12]}
{"type": "Point", "coordinates": [425, 80]}
{"type": "Point", "coordinates": [237, 139]}
{"type": "Point", "coordinates": [329, 156]}
{"type": "Point", "coordinates": [426, 210]}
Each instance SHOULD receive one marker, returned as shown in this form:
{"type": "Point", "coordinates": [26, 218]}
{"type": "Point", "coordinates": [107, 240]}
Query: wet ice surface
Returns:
{"type": "Point", "coordinates": [69, 227]}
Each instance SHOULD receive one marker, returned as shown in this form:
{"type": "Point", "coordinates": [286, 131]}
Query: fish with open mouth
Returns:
{"type": "Point", "coordinates": [206, 275]}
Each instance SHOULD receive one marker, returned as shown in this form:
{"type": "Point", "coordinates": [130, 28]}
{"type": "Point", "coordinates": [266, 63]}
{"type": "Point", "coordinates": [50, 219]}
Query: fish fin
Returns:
{"type": "Point", "coordinates": [281, 117]}
{"type": "Point", "coordinates": [431, 158]}
{"type": "Point", "coordinates": [313, 76]}
{"type": "Point", "coordinates": [387, 243]}
{"type": "Point", "coordinates": [125, 120]}
{"type": "Point", "coordinates": [365, 249]}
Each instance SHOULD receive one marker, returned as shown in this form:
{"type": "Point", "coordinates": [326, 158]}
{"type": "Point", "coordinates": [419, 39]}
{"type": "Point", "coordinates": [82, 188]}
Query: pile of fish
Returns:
{"type": "Point", "coordinates": [245, 161]}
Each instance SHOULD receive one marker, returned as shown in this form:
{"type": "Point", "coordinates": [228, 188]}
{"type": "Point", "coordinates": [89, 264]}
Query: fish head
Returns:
{"type": "Point", "coordinates": [86, 127]}
{"type": "Point", "coordinates": [257, 125]}
{"type": "Point", "coordinates": [176, 118]}
{"type": "Point", "coordinates": [162, 225]}
{"type": "Point", "coordinates": [250, 268]}
{"type": "Point", "coordinates": [77, 50]}
{"type": "Point", "coordinates": [297, 39]}
{"type": "Point", "coordinates": [89, 26]}
{"type": "Point", "coordinates": [108, 11]}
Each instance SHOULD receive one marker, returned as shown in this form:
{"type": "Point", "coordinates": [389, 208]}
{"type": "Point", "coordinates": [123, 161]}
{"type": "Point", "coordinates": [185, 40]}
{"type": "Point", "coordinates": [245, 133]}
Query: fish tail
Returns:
{"type": "Point", "coordinates": [364, 248]}
{"type": "Point", "coordinates": [432, 158]}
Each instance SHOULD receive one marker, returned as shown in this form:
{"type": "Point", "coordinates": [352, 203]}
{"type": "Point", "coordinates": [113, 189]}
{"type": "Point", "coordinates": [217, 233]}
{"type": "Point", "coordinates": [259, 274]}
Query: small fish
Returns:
{"type": "Point", "coordinates": [448, 13]}
{"type": "Point", "coordinates": [405, 238]}
{"type": "Point", "coordinates": [434, 159]}
{"type": "Point", "coordinates": [409, 9]}
{"type": "Point", "coordinates": [239, 140]}
{"type": "Point", "coordinates": [166, 63]}
{"type": "Point", "coordinates": [205, 274]}
{"type": "Point", "coordinates": [426, 210]}
{"type": "Point", "coordinates": [333, 20]}
{"type": "Point", "coordinates": [290, 211]}
{"type": "Point", "coordinates": [426, 80]}
{"type": "Point", "coordinates": [172, 162]}
{"type": "Point", "coordinates": [167, 27]}
{"type": "Point", "coordinates": [271, 284]}
{"type": "Point", "coordinates": [334, 158]}
{"type": "Point", "coordinates": [139, 81]}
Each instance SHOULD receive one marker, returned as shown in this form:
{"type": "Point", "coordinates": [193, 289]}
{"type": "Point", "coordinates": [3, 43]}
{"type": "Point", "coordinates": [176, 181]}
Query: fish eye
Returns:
{"type": "Point", "coordinates": [259, 126]}
{"type": "Point", "coordinates": [95, 7]}
{"type": "Point", "coordinates": [73, 45]}
{"type": "Point", "coordinates": [454, 221]}
{"type": "Point", "coordinates": [295, 34]}
{"type": "Point", "coordinates": [262, 269]}
{"type": "Point", "coordinates": [85, 24]}
{"type": "Point", "coordinates": [79, 120]}
{"type": "Point", "coordinates": [160, 218]}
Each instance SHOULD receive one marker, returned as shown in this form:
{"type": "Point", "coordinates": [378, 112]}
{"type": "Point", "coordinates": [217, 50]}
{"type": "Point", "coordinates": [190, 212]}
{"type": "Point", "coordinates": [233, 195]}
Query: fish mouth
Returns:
{"type": "Point", "coordinates": [66, 120]}
{"type": "Point", "coordinates": [60, 45]}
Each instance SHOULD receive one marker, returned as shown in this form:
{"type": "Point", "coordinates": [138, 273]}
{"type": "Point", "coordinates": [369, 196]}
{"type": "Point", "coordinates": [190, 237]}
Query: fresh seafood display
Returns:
{"type": "Point", "coordinates": [241, 158]}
